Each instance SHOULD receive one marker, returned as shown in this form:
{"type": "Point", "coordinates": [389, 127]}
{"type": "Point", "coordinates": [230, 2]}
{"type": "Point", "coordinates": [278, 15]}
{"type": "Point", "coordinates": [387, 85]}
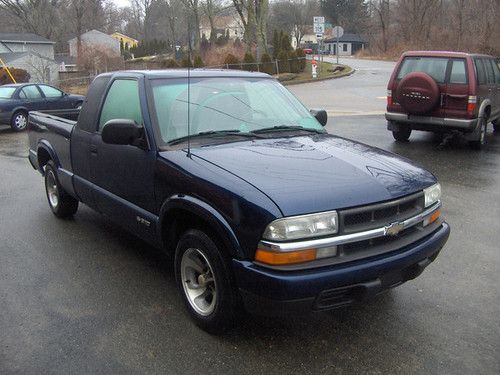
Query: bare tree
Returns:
{"type": "Point", "coordinates": [36, 16]}
{"type": "Point", "coordinates": [254, 15]}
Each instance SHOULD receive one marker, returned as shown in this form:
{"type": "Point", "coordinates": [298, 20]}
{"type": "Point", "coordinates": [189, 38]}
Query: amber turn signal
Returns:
{"type": "Point", "coordinates": [284, 258]}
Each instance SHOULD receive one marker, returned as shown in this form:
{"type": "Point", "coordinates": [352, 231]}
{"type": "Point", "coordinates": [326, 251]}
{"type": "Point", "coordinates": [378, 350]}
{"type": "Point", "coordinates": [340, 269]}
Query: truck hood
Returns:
{"type": "Point", "coordinates": [318, 172]}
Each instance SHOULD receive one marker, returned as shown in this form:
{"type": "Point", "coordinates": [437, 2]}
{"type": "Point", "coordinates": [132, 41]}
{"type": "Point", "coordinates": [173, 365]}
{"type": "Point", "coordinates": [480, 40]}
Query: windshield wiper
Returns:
{"type": "Point", "coordinates": [287, 128]}
{"type": "Point", "coordinates": [214, 133]}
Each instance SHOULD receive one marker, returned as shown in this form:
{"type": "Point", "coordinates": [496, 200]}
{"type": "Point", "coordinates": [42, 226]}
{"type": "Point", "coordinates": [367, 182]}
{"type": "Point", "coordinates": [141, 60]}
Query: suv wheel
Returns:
{"type": "Point", "coordinates": [204, 280]}
{"type": "Point", "coordinates": [479, 143]}
{"type": "Point", "coordinates": [402, 134]}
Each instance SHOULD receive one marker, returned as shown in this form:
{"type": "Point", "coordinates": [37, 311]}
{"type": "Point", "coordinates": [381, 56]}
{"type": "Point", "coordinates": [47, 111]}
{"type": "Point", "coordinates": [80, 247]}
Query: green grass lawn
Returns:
{"type": "Point", "coordinates": [325, 71]}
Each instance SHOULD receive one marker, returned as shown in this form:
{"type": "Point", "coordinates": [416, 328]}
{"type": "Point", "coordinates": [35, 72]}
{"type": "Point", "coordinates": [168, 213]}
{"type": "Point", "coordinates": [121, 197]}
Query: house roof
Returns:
{"type": "Point", "coordinates": [125, 36]}
{"type": "Point", "coordinates": [24, 38]}
{"type": "Point", "coordinates": [353, 38]}
{"type": "Point", "coordinates": [8, 57]}
{"type": "Point", "coordinates": [93, 33]}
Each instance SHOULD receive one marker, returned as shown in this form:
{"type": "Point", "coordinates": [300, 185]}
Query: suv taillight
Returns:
{"type": "Point", "coordinates": [471, 105]}
{"type": "Point", "coordinates": [389, 98]}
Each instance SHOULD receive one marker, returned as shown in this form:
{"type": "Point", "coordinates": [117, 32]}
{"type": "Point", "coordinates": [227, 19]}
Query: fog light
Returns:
{"type": "Point", "coordinates": [326, 252]}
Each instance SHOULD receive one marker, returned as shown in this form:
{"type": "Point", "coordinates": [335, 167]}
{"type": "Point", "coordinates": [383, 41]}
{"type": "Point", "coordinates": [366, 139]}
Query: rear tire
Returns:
{"type": "Point", "coordinates": [19, 121]}
{"type": "Point", "coordinates": [479, 143]}
{"type": "Point", "coordinates": [204, 280]}
{"type": "Point", "coordinates": [402, 134]}
{"type": "Point", "coordinates": [61, 203]}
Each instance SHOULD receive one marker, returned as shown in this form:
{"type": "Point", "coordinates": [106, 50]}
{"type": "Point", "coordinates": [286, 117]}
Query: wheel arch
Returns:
{"type": "Point", "coordinates": [485, 109]}
{"type": "Point", "coordinates": [181, 212]}
{"type": "Point", "coordinates": [45, 152]}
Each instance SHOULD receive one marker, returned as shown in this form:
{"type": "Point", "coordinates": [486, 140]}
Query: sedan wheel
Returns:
{"type": "Point", "coordinates": [19, 121]}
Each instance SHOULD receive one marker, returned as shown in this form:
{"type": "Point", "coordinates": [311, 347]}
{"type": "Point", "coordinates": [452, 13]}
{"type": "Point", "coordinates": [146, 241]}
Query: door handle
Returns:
{"type": "Point", "coordinates": [93, 148]}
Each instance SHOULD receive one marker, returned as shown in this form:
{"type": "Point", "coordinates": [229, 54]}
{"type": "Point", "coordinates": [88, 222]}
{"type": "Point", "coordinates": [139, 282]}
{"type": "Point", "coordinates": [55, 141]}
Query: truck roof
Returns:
{"type": "Point", "coordinates": [194, 73]}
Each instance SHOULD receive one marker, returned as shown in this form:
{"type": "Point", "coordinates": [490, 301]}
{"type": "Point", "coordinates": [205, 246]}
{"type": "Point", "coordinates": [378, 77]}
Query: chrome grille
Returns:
{"type": "Point", "coordinates": [381, 214]}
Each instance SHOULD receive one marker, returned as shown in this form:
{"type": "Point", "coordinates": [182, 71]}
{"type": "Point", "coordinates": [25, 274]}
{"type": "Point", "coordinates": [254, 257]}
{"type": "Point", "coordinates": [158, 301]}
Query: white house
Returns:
{"type": "Point", "coordinates": [30, 52]}
{"type": "Point", "coordinates": [95, 39]}
{"type": "Point", "coordinates": [223, 24]}
{"type": "Point", "coordinates": [349, 44]}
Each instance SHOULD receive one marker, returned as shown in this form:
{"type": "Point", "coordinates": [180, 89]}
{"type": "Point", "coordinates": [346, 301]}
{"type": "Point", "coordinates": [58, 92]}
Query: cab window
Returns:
{"type": "Point", "coordinates": [122, 102]}
{"type": "Point", "coordinates": [50, 92]}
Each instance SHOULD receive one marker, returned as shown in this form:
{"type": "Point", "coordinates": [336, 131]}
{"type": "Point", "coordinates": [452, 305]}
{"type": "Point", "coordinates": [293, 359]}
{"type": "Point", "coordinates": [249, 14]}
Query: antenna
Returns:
{"type": "Point", "coordinates": [189, 89]}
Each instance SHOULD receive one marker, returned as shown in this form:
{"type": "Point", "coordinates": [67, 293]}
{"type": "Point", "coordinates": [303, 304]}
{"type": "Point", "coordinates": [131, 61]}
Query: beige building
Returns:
{"type": "Point", "coordinates": [223, 24]}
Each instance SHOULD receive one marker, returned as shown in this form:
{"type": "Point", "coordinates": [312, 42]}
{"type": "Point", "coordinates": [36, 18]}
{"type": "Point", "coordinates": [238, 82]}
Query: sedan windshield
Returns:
{"type": "Point", "coordinates": [6, 92]}
{"type": "Point", "coordinates": [235, 107]}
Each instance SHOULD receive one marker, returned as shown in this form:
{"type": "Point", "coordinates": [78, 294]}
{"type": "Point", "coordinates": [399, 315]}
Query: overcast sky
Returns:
{"type": "Point", "coordinates": [121, 3]}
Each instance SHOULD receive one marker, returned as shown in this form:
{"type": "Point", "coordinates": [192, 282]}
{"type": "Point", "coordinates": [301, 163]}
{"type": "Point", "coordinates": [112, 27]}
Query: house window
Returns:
{"type": "Point", "coordinates": [345, 47]}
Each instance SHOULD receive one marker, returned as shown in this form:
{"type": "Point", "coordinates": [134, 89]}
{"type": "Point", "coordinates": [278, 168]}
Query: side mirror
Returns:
{"type": "Point", "coordinates": [122, 132]}
{"type": "Point", "coordinates": [320, 115]}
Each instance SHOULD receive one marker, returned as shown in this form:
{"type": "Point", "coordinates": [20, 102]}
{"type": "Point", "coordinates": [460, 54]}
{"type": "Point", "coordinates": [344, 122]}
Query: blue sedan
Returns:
{"type": "Point", "coordinates": [17, 100]}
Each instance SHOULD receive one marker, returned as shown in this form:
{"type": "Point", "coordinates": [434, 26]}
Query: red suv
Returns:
{"type": "Point", "coordinates": [443, 91]}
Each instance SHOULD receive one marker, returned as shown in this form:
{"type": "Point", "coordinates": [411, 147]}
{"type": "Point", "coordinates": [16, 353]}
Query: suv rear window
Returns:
{"type": "Point", "coordinates": [433, 66]}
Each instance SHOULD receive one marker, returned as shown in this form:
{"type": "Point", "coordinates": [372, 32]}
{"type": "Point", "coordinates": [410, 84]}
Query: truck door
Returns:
{"type": "Point", "coordinates": [123, 175]}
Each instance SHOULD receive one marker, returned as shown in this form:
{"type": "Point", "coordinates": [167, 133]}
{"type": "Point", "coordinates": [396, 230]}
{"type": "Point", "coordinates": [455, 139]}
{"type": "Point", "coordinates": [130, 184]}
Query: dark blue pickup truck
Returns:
{"type": "Point", "coordinates": [259, 206]}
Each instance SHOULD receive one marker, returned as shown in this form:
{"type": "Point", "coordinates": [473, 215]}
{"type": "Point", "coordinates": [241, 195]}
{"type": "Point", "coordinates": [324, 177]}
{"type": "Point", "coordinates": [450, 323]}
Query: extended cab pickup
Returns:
{"type": "Point", "coordinates": [257, 203]}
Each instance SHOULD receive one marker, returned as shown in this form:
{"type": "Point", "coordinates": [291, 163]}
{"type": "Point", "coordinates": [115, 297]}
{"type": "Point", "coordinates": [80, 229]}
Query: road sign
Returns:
{"type": "Point", "coordinates": [319, 28]}
{"type": "Point", "coordinates": [318, 19]}
{"type": "Point", "coordinates": [338, 31]}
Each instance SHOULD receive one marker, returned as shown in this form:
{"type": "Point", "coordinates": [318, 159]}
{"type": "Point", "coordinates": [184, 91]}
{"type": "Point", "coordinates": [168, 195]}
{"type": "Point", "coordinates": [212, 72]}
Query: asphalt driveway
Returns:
{"type": "Point", "coordinates": [85, 297]}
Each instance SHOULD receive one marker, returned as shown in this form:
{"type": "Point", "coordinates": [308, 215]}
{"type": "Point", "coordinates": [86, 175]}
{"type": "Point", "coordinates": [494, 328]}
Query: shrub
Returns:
{"type": "Point", "coordinates": [283, 63]}
{"type": "Point", "coordinates": [20, 75]}
{"type": "Point", "coordinates": [186, 63]}
{"type": "Point", "coordinates": [232, 61]}
{"type": "Point", "coordinates": [198, 62]}
{"type": "Point", "coordinates": [301, 55]}
{"type": "Point", "coordinates": [169, 64]}
{"type": "Point", "coordinates": [266, 64]}
{"type": "Point", "coordinates": [294, 63]}
{"type": "Point", "coordinates": [250, 63]}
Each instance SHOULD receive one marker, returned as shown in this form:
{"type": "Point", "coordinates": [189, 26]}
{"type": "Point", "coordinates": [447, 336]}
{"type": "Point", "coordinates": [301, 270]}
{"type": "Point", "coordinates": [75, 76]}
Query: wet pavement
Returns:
{"type": "Point", "coordinates": [85, 297]}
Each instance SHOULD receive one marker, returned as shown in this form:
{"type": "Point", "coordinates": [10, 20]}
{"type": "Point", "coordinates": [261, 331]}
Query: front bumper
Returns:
{"type": "Point", "coordinates": [272, 292]}
{"type": "Point", "coordinates": [429, 123]}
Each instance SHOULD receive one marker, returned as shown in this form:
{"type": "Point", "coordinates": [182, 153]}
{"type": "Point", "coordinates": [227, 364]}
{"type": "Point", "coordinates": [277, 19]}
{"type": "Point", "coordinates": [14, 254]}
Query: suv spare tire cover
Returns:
{"type": "Point", "coordinates": [418, 93]}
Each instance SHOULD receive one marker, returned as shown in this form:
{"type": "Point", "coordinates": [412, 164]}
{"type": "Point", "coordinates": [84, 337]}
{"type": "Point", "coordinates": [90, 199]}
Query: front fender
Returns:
{"type": "Point", "coordinates": [205, 212]}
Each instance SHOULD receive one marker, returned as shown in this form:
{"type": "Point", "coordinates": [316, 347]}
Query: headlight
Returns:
{"type": "Point", "coordinates": [432, 194]}
{"type": "Point", "coordinates": [300, 227]}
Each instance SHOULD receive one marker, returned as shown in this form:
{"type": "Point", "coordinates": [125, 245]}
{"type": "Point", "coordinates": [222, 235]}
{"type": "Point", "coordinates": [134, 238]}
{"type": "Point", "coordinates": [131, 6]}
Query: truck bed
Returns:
{"type": "Point", "coordinates": [52, 133]}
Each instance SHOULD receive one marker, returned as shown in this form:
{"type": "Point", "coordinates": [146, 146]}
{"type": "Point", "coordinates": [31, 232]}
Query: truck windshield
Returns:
{"type": "Point", "coordinates": [6, 92]}
{"type": "Point", "coordinates": [235, 105]}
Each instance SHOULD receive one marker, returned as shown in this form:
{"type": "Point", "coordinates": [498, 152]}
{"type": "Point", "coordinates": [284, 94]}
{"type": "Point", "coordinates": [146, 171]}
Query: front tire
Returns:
{"type": "Point", "coordinates": [402, 134]}
{"type": "Point", "coordinates": [61, 203]}
{"type": "Point", "coordinates": [19, 121]}
{"type": "Point", "coordinates": [205, 283]}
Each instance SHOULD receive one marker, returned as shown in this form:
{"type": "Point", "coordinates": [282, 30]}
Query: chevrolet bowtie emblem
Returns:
{"type": "Point", "coordinates": [393, 229]}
